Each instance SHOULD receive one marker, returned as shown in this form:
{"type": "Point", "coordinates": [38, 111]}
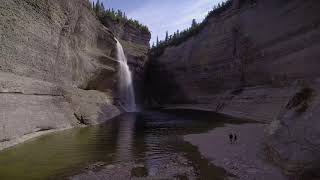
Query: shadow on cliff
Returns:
{"type": "Point", "coordinates": [160, 86]}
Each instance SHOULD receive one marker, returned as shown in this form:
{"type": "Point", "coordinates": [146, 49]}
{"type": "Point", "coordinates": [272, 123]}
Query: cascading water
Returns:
{"type": "Point", "coordinates": [126, 90]}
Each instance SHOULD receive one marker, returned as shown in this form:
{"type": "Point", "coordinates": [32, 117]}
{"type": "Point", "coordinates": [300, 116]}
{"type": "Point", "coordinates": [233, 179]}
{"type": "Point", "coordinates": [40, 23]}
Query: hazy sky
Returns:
{"type": "Point", "coordinates": [163, 15]}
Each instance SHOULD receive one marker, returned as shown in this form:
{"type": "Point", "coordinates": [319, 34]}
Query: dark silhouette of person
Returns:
{"type": "Point", "coordinates": [230, 138]}
{"type": "Point", "coordinates": [235, 137]}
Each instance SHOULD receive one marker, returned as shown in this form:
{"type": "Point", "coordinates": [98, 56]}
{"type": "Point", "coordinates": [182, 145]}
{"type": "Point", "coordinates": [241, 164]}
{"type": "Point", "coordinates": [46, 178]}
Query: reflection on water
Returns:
{"type": "Point", "coordinates": [148, 137]}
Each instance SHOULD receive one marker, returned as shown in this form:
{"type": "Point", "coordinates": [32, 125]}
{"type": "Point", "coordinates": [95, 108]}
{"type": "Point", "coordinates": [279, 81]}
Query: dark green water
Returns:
{"type": "Point", "coordinates": [146, 136]}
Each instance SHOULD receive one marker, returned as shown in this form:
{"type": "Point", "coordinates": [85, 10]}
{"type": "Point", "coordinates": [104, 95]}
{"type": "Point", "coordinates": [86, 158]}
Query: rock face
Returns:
{"type": "Point", "coordinates": [250, 62]}
{"type": "Point", "coordinates": [128, 32]}
{"type": "Point", "coordinates": [57, 68]}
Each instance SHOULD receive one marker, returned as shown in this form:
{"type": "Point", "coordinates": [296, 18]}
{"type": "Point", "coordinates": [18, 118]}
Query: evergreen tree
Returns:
{"type": "Point", "coordinates": [167, 36]}
{"type": "Point", "coordinates": [125, 16]}
{"type": "Point", "coordinates": [102, 7]}
{"type": "Point", "coordinates": [157, 41]}
{"type": "Point", "coordinates": [194, 23]}
{"type": "Point", "coordinates": [101, 12]}
{"type": "Point", "coordinates": [97, 9]}
{"type": "Point", "coordinates": [119, 14]}
{"type": "Point", "coordinates": [179, 37]}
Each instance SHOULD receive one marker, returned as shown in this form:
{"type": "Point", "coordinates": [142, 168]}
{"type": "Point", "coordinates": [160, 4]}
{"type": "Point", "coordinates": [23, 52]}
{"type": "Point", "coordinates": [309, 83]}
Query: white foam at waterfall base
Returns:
{"type": "Point", "coordinates": [126, 90]}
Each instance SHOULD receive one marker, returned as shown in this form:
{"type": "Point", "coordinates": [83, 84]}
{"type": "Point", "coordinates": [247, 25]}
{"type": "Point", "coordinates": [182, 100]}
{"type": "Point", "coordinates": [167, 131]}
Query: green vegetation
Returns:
{"type": "Point", "coordinates": [178, 37]}
{"type": "Point", "coordinates": [115, 15]}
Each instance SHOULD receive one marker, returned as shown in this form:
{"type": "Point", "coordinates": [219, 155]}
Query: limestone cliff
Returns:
{"type": "Point", "coordinates": [57, 68]}
{"type": "Point", "coordinates": [256, 60]}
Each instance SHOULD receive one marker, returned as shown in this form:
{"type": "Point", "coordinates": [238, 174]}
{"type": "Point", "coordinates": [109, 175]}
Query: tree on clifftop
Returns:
{"type": "Point", "coordinates": [102, 7]}
{"type": "Point", "coordinates": [167, 36]}
{"type": "Point", "coordinates": [181, 36]}
{"type": "Point", "coordinates": [157, 41]}
{"type": "Point", "coordinates": [97, 7]}
{"type": "Point", "coordinates": [194, 23]}
{"type": "Point", "coordinates": [118, 16]}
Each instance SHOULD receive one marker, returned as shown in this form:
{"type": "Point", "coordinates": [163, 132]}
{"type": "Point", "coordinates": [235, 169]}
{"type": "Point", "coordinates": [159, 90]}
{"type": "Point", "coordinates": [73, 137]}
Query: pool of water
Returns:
{"type": "Point", "coordinates": [148, 137]}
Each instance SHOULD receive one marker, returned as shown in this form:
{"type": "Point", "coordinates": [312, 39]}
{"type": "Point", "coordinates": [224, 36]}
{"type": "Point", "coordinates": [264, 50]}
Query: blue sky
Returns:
{"type": "Point", "coordinates": [163, 15]}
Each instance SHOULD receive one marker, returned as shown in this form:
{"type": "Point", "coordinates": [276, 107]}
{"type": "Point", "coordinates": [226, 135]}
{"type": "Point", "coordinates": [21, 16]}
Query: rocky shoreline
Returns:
{"type": "Point", "coordinates": [10, 143]}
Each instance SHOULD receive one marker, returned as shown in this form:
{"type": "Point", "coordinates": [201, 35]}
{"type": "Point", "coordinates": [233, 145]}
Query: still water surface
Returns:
{"type": "Point", "coordinates": [149, 137]}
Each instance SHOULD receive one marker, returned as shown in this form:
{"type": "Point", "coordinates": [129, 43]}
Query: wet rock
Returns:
{"type": "Point", "coordinates": [295, 144]}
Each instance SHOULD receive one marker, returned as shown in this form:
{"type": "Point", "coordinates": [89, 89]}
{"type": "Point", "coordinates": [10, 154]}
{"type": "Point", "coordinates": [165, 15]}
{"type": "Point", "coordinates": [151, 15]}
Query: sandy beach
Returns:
{"type": "Point", "coordinates": [243, 158]}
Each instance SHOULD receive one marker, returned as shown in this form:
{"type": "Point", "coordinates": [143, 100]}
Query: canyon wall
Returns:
{"type": "Point", "coordinates": [58, 68]}
{"type": "Point", "coordinates": [257, 60]}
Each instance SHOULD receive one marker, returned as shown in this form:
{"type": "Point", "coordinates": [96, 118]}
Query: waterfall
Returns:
{"type": "Point", "coordinates": [126, 90]}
